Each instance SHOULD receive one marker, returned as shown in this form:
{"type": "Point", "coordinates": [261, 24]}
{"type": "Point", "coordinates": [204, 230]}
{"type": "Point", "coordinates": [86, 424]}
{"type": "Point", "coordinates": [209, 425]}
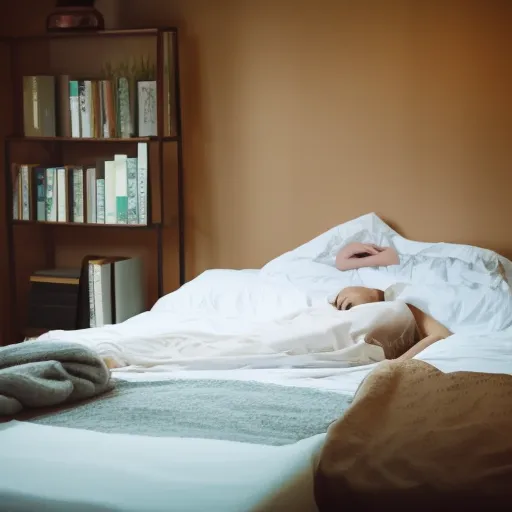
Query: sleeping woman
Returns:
{"type": "Point", "coordinates": [427, 330]}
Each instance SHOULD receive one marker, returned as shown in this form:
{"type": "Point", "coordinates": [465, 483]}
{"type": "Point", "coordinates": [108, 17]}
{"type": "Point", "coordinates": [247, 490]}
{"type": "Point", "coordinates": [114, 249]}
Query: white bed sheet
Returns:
{"type": "Point", "coordinates": [50, 468]}
{"type": "Point", "coordinates": [76, 470]}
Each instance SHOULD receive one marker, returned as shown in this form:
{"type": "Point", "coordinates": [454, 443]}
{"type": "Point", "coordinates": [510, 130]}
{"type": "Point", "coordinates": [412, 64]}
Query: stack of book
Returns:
{"type": "Point", "coordinates": [111, 192]}
{"type": "Point", "coordinates": [104, 291]}
{"type": "Point", "coordinates": [120, 107]}
{"type": "Point", "coordinates": [115, 290]}
{"type": "Point", "coordinates": [53, 299]}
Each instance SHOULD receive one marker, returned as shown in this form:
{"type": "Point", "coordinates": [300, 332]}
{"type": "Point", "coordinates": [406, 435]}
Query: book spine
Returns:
{"type": "Point", "coordinates": [41, 194]}
{"type": "Point", "coordinates": [25, 193]}
{"type": "Point", "coordinates": [100, 201]}
{"type": "Point", "coordinates": [147, 95]}
{"type": "Point", "coordinates": [132, 188]}
{"type": "Point", "coordinates": [85, 92]}
{"type": "Point", "coordinates": [51, 197]}
{"type": "Point", "coordinates": [78, 195]}
{"type": "Point", "coordinates": [64, 107]}
{"type": "Point", "coordinates": [62, 193]}
{"type": "Point", "coordinates": [91, 195]}
{"type": "Point", "coordinates": [123, 106]}
{"type": "Point", "coordinates": [110, 193]}
{"type": "Point", "coordinates": [30, 115]}
{"type": "Point", "coordinates": [142, 176]}
{"type": "Point", "coordinates": [74, 107]}
{"type": "Point", "coordinates": [96, 107]}
{"type": "Point", "coordinates": [92, 309]}
{"type": "Point", "coordinates": [121, 189]}
{"type": "Point", "coordinates": [16, 192]}
{"type": "Point", "coordinates": [110, 109]}
{"type": "Point", "coordinates": [98, 296]}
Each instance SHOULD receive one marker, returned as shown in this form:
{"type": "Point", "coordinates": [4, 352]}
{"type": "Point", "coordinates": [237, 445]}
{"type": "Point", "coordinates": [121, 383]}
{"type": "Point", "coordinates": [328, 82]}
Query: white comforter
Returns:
{"type": "Point", "coordinates": [280, 315]}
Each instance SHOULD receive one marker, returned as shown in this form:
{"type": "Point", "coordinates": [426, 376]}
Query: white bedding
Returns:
{"type": "Point", "coordinates": [461, 286]}
{"type": "Point", "coordinates": [50, 468]}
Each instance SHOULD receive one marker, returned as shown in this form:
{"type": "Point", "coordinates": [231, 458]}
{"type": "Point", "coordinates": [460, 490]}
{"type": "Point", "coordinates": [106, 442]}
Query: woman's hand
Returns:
{"type": "Point", "coordinates": [358, 249]}
{"type": "Point", "coordinates": [359, 255]}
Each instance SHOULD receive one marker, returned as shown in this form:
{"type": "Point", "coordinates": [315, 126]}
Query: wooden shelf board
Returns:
{"type": "Point", "coordinates": [82, 225]}
{"type": "Point", "coordinates": [132, 140]}
{"type": "Point", "coordinates": [140, 32]}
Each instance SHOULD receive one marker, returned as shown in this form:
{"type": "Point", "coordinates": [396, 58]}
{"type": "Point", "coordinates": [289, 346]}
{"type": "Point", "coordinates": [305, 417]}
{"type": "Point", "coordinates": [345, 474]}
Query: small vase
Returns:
{"type": "Point", "coordinates": [74, 18]}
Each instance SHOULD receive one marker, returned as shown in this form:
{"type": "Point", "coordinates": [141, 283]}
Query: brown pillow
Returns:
{"type": "Point", "coordinates": [416, 438]}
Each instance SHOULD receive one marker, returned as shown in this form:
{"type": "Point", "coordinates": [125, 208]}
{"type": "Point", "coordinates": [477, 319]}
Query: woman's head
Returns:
{"type": "Point", "coordinates": [355, 296]}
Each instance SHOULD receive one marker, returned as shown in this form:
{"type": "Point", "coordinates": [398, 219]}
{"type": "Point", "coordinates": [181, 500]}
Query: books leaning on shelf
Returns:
{"type": "Point", "coordinates": [120, 107]}
{"type": "Point", "coordinates": [115, 290]}
{"type": "Point", "coordinates": [110, 192]}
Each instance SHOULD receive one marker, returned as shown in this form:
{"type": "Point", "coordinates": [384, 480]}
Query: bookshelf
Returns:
{"type": "Point", "coordinates": [39, 238]}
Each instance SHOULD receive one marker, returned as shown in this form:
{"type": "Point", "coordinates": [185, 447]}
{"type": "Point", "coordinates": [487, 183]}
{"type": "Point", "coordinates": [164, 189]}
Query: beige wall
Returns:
{"type": "Point", "coordinates": [299, 115]}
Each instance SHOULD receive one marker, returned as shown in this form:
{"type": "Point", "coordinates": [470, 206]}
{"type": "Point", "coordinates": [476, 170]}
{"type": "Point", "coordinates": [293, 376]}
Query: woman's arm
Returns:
{"type": "Point", "coordinates": [357, 255]}
{"type": "Point", "coordinates": [430, 331]}
{"type": "Point", "coordinates": [419, 347]}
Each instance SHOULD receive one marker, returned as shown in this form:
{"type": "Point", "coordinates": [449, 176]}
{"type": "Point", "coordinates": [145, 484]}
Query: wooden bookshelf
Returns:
{"type": "Point", "coordinates": [38, 244]}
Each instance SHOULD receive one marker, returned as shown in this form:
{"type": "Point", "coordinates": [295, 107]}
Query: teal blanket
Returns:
{"type": "Point", "coordinates": [231, 410]}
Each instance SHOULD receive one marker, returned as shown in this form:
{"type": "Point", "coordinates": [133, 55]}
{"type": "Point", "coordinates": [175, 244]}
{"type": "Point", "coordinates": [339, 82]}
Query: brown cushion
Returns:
{"type": "Point", "coordinates": [418, 438]}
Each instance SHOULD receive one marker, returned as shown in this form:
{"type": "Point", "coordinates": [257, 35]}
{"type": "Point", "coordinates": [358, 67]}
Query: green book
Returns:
{"type": "Point", "coordinates": [120, 162]}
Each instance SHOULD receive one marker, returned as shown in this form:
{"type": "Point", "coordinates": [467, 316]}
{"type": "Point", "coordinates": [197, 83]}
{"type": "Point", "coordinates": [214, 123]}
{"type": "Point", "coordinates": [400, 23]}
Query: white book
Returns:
{"type": "Point", "coordinates": [91, 194]}
{"type": "Point", "coordinates": [147, 96]}
{"type": "Point", "coordinates": [142, 173]}
{"type": "Point", "coordinates": [39, 106]}
{"type": "Point", "coordinates": [74, 107]}
{"type": "Point", "coordinates": [133, 194]}
{"type": "Point", "coordinates": [78, 195]}
{"type": "Point", "coordinates": [62, 195]}
{"type": "Point", "coordinates": [51, 195]}
{"type": "Point", "coordinates": [100, 201]}
{"type": "Point", "coordinates": [129, 297]}
{"type": "Point", "coordinates": [102, 292]}
{"type": "Point", "coordinates": [110, 193]}
{"type": "Point", "coordinates": [121, 188]}
{"type": "Point", "coordinates": [85, 91]}
{"type": "Point", "coordinates": [25, 193]}
{"type": "Point", "coordinates": [92, 309]}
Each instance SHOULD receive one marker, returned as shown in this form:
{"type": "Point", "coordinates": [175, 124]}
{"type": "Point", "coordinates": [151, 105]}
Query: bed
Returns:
{"type": "Point", "coordinates": [253, 332]}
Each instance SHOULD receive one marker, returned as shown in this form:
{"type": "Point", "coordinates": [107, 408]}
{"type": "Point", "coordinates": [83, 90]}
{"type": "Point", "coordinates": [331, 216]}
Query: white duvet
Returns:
{"type": "Point", "coordinates": [280, 316]}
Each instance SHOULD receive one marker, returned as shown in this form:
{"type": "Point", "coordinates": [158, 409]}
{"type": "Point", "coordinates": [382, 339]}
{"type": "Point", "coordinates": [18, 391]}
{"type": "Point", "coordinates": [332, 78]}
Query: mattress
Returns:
{"type": "Point", "coordinates": [71, 469]}
{"type": "Point", "coordinates": [55, 468]}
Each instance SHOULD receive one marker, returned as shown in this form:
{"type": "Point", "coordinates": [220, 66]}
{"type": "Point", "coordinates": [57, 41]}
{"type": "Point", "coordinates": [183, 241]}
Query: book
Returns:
{"type": "Point", "coordinates": [132, 190]}
{"type": "Point", "coordinates": [121, 189]}
{"type": "Point", "coordinates": [108, 192]}
{"type": "Point", "coordinates": [25, 192]}
{"type": "Point", "coordinates": [147, 100]}
{"type": "Point", "coordinates": [41, 193]}
{"type": "Point", "coordinates": [39, 112]}
{"type": "Point", "coordinates": [63, 93]}
{"type": "Point", "coordinates": [125, 128]}
{"type": "Point", "coordinates": [142, 181]}
{"type": "Point", "coordinates": [91, 195]}
{"type": "Point", "coordinates": [53, 299]}
{"type": "Point", "coordinates": [74, 107]}
{"type": "Point", "coordinates": [95, 108]}
{"type": "Point", "coordinates": [116, 289]}
{"type": "Point", "coordinates": [86, 115]}
{"type": "Point", "coordinates": [77, 194]}
{"type": "Point", "coordinates": [51, 195]}
{"type": "Point", "coordinates": [62, 195]}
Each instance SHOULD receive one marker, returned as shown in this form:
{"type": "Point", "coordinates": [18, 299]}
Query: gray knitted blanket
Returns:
{"type": "Point", "coordinates": [214, 409]}
{"type": "Point", "coordinates": [37, 374]}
